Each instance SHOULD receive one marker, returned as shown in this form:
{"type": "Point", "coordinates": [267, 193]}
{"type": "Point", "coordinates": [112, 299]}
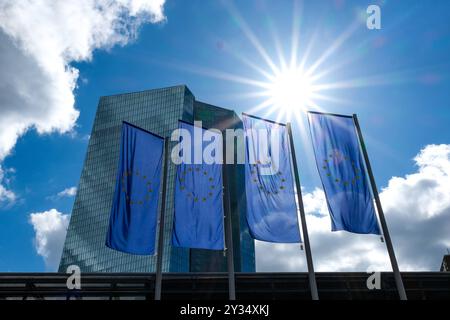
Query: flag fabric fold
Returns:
{"type": "Point", "coordinates": [270, 195]}
{"type": "Point", "coordinates": [341, 169]}
{"type": "Point", "coordinates": [134, 213]}
{"type": "Point", "coordinates": [199, 213]}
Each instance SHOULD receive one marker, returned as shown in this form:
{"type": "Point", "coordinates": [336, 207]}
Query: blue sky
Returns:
{"type": "Point", "coordinates": [399, 76]}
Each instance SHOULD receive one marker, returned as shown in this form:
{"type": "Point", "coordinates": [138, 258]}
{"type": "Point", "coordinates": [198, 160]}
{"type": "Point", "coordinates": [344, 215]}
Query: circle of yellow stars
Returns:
{"type": "Point", "coordinates": [255, 178]}
{"type": "Point", "coordinates": [190, 193]}
{"type": "Point", "coordinates": [148, 187]}
{"type": "Point", "coordinates": [333, 158]}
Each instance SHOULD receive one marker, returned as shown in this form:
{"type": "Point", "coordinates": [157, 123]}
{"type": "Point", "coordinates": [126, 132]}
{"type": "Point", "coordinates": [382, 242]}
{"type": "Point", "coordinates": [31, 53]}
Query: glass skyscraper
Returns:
{"type": "Point", "coordinates": [157, 111]}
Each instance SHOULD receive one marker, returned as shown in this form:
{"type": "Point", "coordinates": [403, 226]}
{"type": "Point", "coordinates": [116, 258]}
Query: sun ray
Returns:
{"type": "Point", "coordinates": [308, 49]}
{"type": "Point", "coordinates": [377, 80]}
{"type": "Point", "coordinates": [300, 125]}
{"type": "Point", "coordinates": [334, 46]}
{"type": "Point", "coordinates": [270, 111]}
{"type": "Point", "coordinates": [265, 104]}
{"type": "Point", "coordinates": [357, 51]}
{"type": "Point", "coordinates": [318, 96]}
{"type": "Point", "coordinates": [316, 107]}
{"type": "Point", "coordinates": [251, 64]}
{"type": "Point", "coordinates": [344, 61]}
{"type": "Point", "coordinates": [251, 94]}
{"type": "Point", "coordinates": [296, 16]}
{"type": "Point", "coordinates": [242, 24]}
{"type": "Point", "coordinates": [221, 75]}
{"type": "Point", "coordinates": [276, 41]}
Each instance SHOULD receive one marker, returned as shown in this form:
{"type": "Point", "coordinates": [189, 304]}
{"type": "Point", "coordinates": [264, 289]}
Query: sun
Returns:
{"type": "Point", "coordinates": [290, 90]}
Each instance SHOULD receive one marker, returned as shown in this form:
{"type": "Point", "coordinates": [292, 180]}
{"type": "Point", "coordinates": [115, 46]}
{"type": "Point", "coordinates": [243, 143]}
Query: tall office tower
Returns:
{"type": "Point", "coordinates": [445, 265]}
{"type": "Point", "coordinates": [157, 111]}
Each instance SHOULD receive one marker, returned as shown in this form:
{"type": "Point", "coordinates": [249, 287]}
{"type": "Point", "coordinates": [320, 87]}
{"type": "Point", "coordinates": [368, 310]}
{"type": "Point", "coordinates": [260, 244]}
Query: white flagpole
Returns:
{"type": "Point", "coordinates": [159, 254]}
{"type": "Point", "coordinates": [309, 260]}
{"type": "Point", "coordinates": [387, 237]}
{"type": "Point", "coordinates": [228, 227]}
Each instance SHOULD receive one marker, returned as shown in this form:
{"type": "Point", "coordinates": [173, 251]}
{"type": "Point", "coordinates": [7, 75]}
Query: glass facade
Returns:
{"type": "Point", "coordinates": [158, 111]}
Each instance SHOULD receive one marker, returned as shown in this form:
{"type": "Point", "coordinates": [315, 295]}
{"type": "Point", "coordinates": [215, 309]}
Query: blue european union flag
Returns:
{"type": "Point", "coordinates": [133, 220]}
{"type": "Point", "coordinates": [269, 186]}
{"type": "Point", "coordinates": [198, 218]}
{"type": "Point", "coordinates": [342, 172]}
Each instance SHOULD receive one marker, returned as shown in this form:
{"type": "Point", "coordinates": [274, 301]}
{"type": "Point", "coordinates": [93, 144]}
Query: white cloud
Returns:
{"type": "Point", "coordinates": [68, 192]}
{"type": "Point", "coordinates": [50, 228]}
{"type": "Point", "coordinates": [5, 194]}
{"type": "Point", "coordinates": [314, 202]}
{"type": "Point", "coordinates": [417, 209]}
{"type": "Point", "coordinates": [39, 39]}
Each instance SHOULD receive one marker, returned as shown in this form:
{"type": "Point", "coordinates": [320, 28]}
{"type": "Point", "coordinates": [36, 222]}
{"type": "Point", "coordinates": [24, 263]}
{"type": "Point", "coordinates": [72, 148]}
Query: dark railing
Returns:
{"type": "Point", "coordinates": [200, 286]}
